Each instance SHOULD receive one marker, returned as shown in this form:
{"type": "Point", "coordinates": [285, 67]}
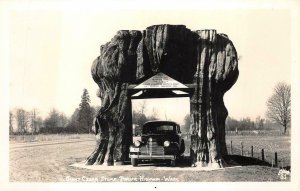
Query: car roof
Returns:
{"type": "Point", "coordinates": [160, 122]}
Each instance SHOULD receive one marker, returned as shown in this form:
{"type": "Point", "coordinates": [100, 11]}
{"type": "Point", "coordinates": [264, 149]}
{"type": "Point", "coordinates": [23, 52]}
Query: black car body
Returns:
{"type": "Point", "coordinates": [160, 140]}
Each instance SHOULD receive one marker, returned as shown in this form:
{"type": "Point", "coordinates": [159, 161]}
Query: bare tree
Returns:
{"type": "Point", "coordinates": [38, 123]}
{"type": "Point", "coordinates": [35, 121]}
{"type": "Point", "coordinates": [166, 117]}
{"type": "Point", "coordinates": [259, 122]}
{"type": "Point", "coordinates": [33, 117]}
{"type": "Point", "coordinates": [22, 117]}
{"type": "Point", "coordinates": [142, 106]}
{"type": "Point", "coordinates": [279, 105]}
{"type": "Point", "coordinates": [154, 114]}
{"type": "Point", "coordinates": [11, 116]}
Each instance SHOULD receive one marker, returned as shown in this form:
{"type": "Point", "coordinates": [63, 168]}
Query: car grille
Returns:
{"type": "Point", "coordinates": [152, 149]}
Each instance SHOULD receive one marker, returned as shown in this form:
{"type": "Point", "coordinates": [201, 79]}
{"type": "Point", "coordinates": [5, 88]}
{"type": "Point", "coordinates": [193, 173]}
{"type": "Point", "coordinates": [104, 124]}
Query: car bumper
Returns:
{"type": "Point", "coordinates": [151, 157]}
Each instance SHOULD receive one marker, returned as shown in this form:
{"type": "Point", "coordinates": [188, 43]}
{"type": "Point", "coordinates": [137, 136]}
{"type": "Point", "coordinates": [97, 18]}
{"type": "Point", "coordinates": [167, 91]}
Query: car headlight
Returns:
{"type": "Point", "coordinates": [167, 143]}
{"type": "Point", "coordinates": [137, 143]}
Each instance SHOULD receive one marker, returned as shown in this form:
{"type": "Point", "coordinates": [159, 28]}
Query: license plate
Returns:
{"type": "Point", "coordinates": [134, 149]}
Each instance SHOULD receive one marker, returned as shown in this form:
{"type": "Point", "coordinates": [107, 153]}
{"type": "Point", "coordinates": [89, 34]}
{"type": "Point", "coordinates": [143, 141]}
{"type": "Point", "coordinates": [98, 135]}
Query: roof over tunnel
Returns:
{"type": "Point", "coordinates": [160, 86]}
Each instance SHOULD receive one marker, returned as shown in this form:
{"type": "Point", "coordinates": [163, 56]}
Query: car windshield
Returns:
{"type": "Point", "coordinates": [158, 129]}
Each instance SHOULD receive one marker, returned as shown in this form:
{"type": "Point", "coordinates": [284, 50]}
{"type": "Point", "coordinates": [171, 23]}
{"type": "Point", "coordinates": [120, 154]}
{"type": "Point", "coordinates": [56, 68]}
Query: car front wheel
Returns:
{"type": "Point", "coordinates": [173, 163]}
{"type": "Point", "coordinates": [134, 162]}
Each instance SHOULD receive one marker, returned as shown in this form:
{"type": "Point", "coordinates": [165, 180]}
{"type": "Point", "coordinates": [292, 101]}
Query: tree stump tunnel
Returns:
{"type": "Point", "coordinates": [204, 58]}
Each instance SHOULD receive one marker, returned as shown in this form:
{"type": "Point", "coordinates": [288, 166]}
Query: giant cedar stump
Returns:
{"type": "Point", "coordinates": [202, 57]}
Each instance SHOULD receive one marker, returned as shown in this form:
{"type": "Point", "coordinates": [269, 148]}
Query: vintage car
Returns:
{"type": "Point", "coordinates": [160, 140]}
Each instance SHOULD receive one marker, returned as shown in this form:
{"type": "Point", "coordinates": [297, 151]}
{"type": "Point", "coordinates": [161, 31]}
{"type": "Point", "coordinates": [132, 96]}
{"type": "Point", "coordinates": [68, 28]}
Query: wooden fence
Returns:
{"type": "Point", "coordinates": [271, 158]}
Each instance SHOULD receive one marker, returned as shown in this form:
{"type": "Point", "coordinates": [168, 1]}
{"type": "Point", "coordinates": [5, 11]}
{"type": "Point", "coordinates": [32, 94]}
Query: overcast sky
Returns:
{"type": "Point", "coordinates": [51, 52]}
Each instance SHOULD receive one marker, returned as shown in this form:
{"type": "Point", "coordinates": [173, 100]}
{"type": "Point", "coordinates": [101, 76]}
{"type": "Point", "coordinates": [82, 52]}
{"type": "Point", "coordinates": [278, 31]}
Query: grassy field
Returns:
{"type": "Point", "coordinates": [50, 163]}
{"type": "Point", "coordinates": [270, 144]}
{"type": "Point", "coordinates": [52, 137]}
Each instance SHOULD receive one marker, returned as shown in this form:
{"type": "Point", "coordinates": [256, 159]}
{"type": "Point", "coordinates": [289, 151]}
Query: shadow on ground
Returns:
{"type": "Point", "coordinates": [233, 160]}
{"type": "Point", "coordinates": [181, 162]}
{"type": "Point", "coordinates": [238, 160]}
{"type": "Point", "coordinates": [230, 161]}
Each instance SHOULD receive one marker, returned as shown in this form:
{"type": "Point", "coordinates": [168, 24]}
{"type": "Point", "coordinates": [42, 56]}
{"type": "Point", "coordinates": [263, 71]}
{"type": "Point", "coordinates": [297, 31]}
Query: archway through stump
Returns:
{"type": "Point", "coordinates": [162, 92]}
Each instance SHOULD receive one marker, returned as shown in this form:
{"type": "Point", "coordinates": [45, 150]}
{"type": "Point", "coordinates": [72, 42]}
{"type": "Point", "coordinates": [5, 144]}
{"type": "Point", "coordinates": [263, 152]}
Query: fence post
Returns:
{"type": "Point", "coordinates": [262, 155]}
{"type": "Point", "coordinates": [231, 147]}
{"type": "Point", "coordinates": [252, 151]}
{"type": "Point", "coordinates": [242, 149]}
{"type": "Point", "coordinates": [276, 162]}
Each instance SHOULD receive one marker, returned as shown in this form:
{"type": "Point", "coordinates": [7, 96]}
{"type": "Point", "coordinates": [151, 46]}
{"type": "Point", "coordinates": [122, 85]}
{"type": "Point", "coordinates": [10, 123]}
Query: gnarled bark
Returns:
{"type": "Point", "coordinates": [203, 57]}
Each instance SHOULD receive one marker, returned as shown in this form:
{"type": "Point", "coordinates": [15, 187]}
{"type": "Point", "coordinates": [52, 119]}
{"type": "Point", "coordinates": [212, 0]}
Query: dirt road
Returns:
{"type": "Point", "coordinates": [50, 162]}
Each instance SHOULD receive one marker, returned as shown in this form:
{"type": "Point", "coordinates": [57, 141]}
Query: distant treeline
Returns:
{"type": "Point", "coordinates": [244, 124]}
{"type": "Point", "coordinates": [30, 122]}
{"type": "Point", "coordinates": [248, 124]}
{"type": "Point", "coordinates": [81, 121]}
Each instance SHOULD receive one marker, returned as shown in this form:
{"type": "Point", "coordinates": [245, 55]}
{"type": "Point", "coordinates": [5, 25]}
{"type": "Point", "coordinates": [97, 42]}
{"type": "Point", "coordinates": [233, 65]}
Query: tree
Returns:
{"type": "Point", "coordinates": [138, 118]}
{"type": "Point", "coordinates": [232, 124]}
{"type": "Point", "coordinates": [279, 105]}
{"type": "Point", "coordinates": [85, 113]}
{"type": "Point", "coordinates": [62, 120]}
{"type": "Point", "coordinates": [246, 124]}
{"type": "Point", "coordinates": [52, 121]}
{"type": "Point", "coordinates": [22, 117]}
{"type": "Point", "coordinates": [259, 122]}
{"type": "Point", "coordinates": [11, 129]}
{"type": "Point", "coordinates": [35, 123]}
{"type": "Point", "coordinates": [38, 124]}
{"type": "Point", "coordinates": [154, 115]}
{"type": "Point", "coordinates": [142, 107]}
{"type": "Point", "coordinates": [56, 122]}
{"type": "Point", "coordinates": [210, 63]}
{"type": "Point", "coordinates": [73, 123]}
{"type": "Point", "coordinates": [187, 124]}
